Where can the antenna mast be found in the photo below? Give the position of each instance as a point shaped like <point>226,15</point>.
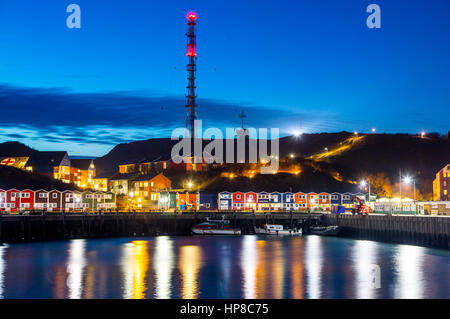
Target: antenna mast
<point>191,53</point>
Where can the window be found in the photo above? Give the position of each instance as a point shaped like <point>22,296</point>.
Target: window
<point>43,195</point>
<point>238,196</point>
<point>146,184</point>
<point>54,195</point>
<point>152,184</point>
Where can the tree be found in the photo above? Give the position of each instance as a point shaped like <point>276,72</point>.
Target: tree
<point>380,184</point>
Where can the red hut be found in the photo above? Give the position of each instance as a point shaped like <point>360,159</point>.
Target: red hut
<point>251,200</point>
<point>27,199</point>
<point>238,201</point>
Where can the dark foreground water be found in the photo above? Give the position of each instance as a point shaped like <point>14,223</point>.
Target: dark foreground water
<point>222,267</point>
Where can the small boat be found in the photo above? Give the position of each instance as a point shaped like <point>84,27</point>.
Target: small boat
<point>215,227</point>
<point>270,229</point>
<point>325,230</point>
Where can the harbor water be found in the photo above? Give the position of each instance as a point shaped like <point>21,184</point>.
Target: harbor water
<point>222,267</point>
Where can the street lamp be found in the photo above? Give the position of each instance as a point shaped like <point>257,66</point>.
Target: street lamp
<point>409,180</point>
<point>364,184</point>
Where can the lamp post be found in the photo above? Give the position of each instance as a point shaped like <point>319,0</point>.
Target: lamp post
<point>408,180</point>
<point>364,184</point>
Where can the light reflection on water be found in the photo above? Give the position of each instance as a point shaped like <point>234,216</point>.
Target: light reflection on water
<point>190,264</point>
<point>313,265</point>
<point>163,264</point>
<point>221,267</point>
<point>2,269</point>
<point>409,280</point>
<point>135,262</point>
<point>364,257</point>
<point>75,268</point>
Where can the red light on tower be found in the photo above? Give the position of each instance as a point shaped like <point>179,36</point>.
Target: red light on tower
<point>191,16</point>
<point>191,50</point>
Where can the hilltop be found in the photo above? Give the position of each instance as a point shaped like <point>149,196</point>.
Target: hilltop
<point>310,162</point>
<point>13,149</point>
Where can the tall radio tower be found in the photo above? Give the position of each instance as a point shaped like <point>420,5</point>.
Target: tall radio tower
<point>191,53</point>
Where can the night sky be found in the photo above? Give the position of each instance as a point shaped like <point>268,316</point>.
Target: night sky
<point>296,65</point>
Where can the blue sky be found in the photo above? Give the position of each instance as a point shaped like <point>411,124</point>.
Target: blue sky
<point>121,77</point>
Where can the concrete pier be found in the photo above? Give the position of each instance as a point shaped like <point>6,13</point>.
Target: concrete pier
<point>430,231</point>
<point>54,226</point>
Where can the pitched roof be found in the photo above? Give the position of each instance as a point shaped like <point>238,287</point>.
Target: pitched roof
<point>148,177</point>
<point>120,177</point>
<point>103,175</point>
<point>160,158</point>
<point>145,177</point>
<point>44,162</point>
<point>81,163</point>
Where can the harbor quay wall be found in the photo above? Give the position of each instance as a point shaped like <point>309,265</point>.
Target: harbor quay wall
<point>428,231</point>
<point>56,226</point>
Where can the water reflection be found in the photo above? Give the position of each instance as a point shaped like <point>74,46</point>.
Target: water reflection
<point>135,263</point>
<point>75,268</point>
<point>364,259</point>
<point>297,269</point>
<point>2,268</point>
<point>163,263</point>
<point>277,269</point>
<point>248,266</point>
<point>225,270</point>
<point>262,276</point>
<point>190,263</point>
<point>221,267</point>
<point>409,266</point>
<point>313,265</point>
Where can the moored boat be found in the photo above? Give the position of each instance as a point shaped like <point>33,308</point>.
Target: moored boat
<point>325,230</point>
<point>270,229</point>
<point>215,227</point>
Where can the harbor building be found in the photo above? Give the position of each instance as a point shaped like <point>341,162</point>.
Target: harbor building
<point>440,184</point>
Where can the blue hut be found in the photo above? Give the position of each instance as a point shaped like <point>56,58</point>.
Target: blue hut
<point>335,199</point>
<point>288,201</point>
<point>276,202</point>
<point>207,200</point>
<point>263,201</point>
<point>225,201</point>
<point>347,199</point>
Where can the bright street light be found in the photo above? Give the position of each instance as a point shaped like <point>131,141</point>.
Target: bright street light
<point>364,184</point>
<point>409,180</point>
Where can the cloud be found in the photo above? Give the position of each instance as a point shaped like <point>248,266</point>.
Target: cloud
<point>60,118</point>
